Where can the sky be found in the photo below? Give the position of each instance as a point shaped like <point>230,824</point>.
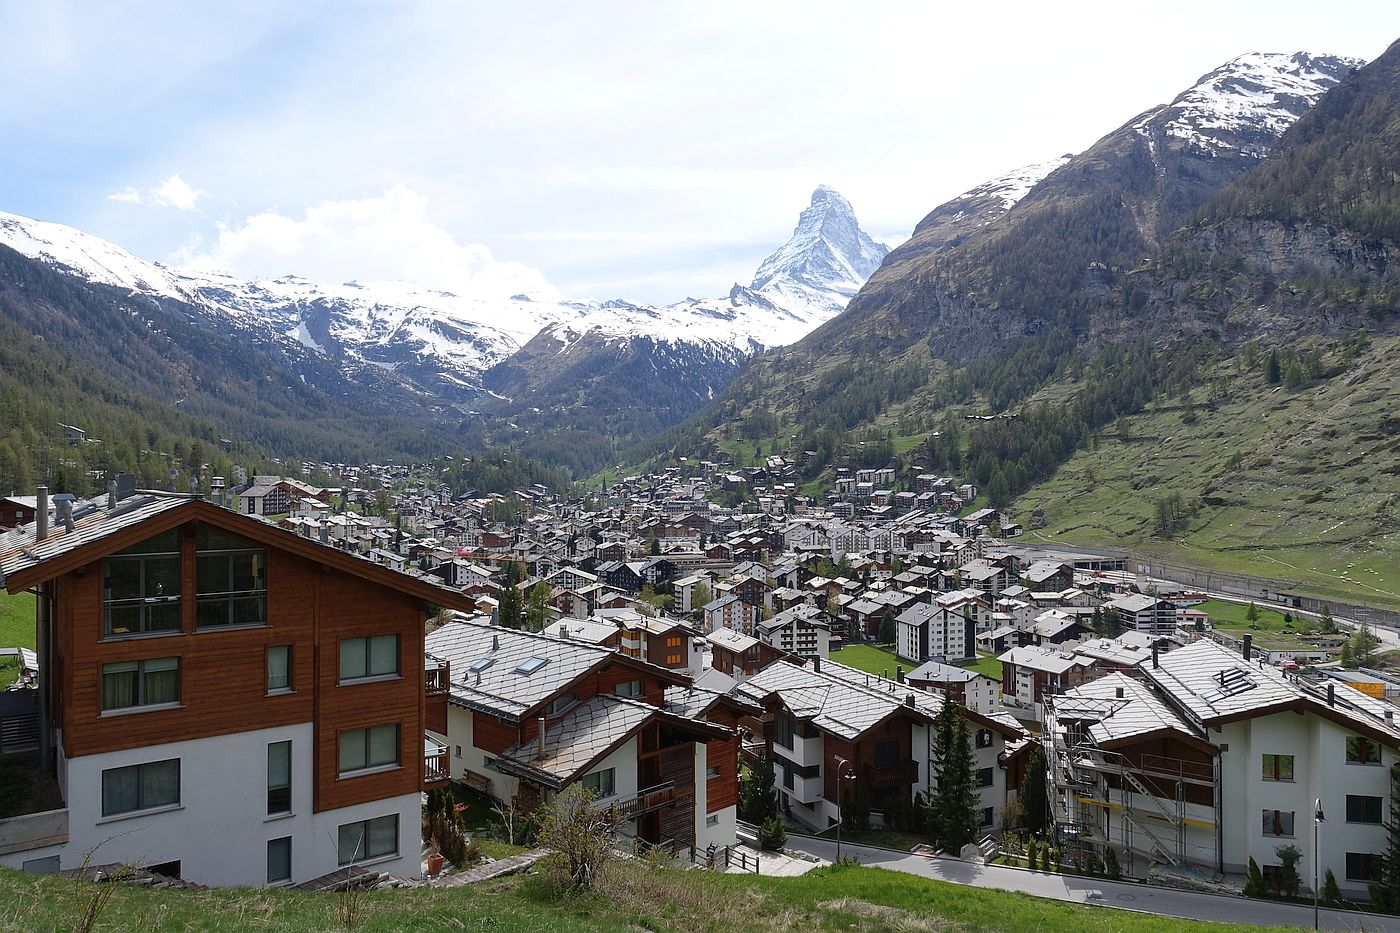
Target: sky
<point>649,151</point>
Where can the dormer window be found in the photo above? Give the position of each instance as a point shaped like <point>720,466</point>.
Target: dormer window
<point>560,704</point>
<point>141,587</point>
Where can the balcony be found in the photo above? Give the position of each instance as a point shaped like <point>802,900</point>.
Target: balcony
<point>437,769</point>
<point>437,676</point>
<point>903,774</point>
<point>31,831</point>
<point>652,798</point>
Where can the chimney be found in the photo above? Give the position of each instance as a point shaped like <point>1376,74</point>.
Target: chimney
<point>1154,655</point>
<point>817,664</point>
<point>216,488</point>
<point>41,513</point>
<point>541,737</point>
<point>1248,647</point>
<point>899,673</point>
<point>65,514</point>
<point>111,494</point>
<point>495,642</point>
<point>909,700</point>
<point>1118,692</point>
<point>1331,693</point>
<point>1390,718</point>
<point>325,531</point>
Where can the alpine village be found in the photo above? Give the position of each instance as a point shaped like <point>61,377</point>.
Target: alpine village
<point>1043,565</point>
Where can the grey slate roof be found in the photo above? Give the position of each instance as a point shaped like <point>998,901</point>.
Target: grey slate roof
<point>92,521</point>
<point>1140,711</point>
<point>835,700</point>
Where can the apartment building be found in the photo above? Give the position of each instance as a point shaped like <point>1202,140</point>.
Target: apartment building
<point>802,631</point>
<point>1213,758</point>
<point>218,699</point>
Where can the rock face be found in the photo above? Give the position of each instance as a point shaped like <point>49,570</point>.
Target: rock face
<point>828,258</point>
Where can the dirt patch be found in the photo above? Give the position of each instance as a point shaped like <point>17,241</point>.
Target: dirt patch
<point>891,918</point>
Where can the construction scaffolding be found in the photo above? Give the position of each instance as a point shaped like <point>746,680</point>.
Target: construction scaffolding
<point>1137,805</point>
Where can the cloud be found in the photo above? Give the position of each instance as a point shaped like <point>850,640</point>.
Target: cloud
<point>174,192</point>
<point>385,238</point>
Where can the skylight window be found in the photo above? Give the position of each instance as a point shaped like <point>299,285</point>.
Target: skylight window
<point>480,665</point>
<point>531,664</point>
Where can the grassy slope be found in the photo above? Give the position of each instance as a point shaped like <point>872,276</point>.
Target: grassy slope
<point>1313,499</point>
<point>638,898</point>
<point>869,658</point>
<point>16,620</point>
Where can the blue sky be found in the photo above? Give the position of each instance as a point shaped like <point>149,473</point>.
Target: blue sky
<point>641,150</point>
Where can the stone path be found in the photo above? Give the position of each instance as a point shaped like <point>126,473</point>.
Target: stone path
<point>509,865</point>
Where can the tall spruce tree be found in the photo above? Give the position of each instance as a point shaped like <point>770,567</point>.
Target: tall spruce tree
<point>1385,890</point>
<point>758,800</point>
<point>510,602</point>
<point>954,802</point>
<point>1035,804</point>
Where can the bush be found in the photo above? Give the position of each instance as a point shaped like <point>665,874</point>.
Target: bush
<point>580,833</point>
<point>1111,867</point>
<point>771,835</point>
<point>1289,881</point>
<point>1331,894</point>
<point>1254,881</point>
<point>1032,856</point>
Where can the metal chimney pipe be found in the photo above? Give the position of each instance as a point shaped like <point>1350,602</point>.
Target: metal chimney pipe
<point>1248,647</point>
<point>899,673</point>
<point>1331,694</point>
<point>1154,655</point>
<point>41,513</point>
<point>325,533</point>
<point>111,494</point>
<point>216,488</point>
<point>541,737</point>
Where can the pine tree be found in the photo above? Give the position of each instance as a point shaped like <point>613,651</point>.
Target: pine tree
<point>1035,804</point>
<point>1272,370</point>
<point>887,630</point>
<point>955,799</point>
<point>1385,890</point>
<point>758,801</point>
<point>508,609</point>
<point>1252,613</point>
<point>1254,881</point>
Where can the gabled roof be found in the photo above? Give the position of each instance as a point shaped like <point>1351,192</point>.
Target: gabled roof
<point>99,531</point>
<point>834,704</point>
<point>1137,713</point>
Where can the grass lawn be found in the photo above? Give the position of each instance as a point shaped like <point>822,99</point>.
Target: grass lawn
<point>986,665</point>
<point>16,620</point>
<point>873,659</point>
<point>632,896</point>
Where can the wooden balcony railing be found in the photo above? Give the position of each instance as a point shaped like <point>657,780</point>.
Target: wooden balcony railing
<point>437,676</point>
<point>652,798</point>
<point>901,775</point>
<point>436,767</point>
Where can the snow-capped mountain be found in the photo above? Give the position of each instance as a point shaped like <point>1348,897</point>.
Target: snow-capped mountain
<point>826,261</point>
<point>444,342</point>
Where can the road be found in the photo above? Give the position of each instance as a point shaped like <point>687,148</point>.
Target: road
<point>1188,905</point>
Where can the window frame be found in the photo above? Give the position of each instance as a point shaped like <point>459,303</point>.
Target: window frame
<point>1279,823</point>
<point>367,644</point>
<point>560,705</point>
<point>1359,749</point>
<point>1363,805</point>
<point>1369,861</point>
<point>596,780</point>
<point>366,836</point>
<point>285,879</point>
<point>1278,769</point>
<point>138,770</point>
<point>208,601</point>
<point>990,777</point>
<point>367,744</point>
<point>289,686</point>
<point>142,702</point>
<point>633,689</point>
<point>145,603</point>
<point>785,732</point>
<point>278,806</point>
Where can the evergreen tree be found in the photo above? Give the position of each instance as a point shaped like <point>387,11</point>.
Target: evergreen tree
<point>1331,893</point>
<point>1035,804</point>
<point>1254,881</point>
<point>1385,890</point>
<point>509,606</point>
<point>758,799</point>
<point>1252,614</point>
<point>537,607</point>
<point>1329,625</point>
<point>1272,370</point>
<point>955,799</point>
<point>887,628</point>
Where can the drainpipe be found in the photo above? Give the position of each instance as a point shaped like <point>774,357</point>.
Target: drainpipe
<point>43,615</point>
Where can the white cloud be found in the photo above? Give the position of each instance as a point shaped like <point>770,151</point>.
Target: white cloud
<point>174,192</point>
<point>385,238</point>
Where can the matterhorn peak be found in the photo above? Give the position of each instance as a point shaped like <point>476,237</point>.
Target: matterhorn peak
<point>828,253</point>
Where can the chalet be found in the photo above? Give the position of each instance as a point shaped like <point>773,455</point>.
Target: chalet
<point>1029,674</point>
<point>16,511</point>
<point>204,675</point>
<point>977,692</point>
<point>1046,575</point>
<point>738,655</point>
<point>529,715</point>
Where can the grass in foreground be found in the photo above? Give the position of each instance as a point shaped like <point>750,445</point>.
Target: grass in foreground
<point>634,897</point>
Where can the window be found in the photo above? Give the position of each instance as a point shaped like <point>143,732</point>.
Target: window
<point>231,579</point>
<point>785,731</point>
<point>711,773</point>
<point>601,783</point>
<point>457,751</point>
<point>1278,822</point>
<point>1363,751</point>
<point>141,587</point>
<point>279,777</point>
<point>279,860</point>
<point>983,738</point>
<point>986,817</point>
<point>886,755</point>
<point>368,839</point>
<point>712,819</point>
<point>674,641</point>
<point>560,703</point>
<point>1363,866</point>
<point>1278,767</point>
<point>672,660</point>
<point>375,747</point>
<point>631,688</point>
<point>140,787</point>
<point>279,668</point>
<point>377,656</point>
<point>985,777</point>
<point>787,775</point>
<point>1363,809</point>
<point>129,684</point>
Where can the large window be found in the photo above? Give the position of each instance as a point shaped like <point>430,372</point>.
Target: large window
<point>141,587</point>
<point>1278,822</point>
<point>279,668</point>
<point>559,704</point>
<point>1363,866</point>
<point>129,684</point>
<point>279,777</point>
<point>1278,768</point>
<point>375,747</point>
<point>368,839</point>
<point>629,688</point>
<point>986,777</point>
<point>1363,751</point>
<point>1363,809</point>
<point>886,755</point>
<point>376,656</point>
<point>232,580</point>
<point>140,787</point>
<point>602,783</point>
<point>279,860</point>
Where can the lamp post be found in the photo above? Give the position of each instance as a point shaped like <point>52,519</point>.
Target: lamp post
<point>1318,820</point>
<point>841,765</point>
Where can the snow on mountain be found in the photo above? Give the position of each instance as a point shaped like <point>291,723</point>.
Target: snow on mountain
<point>1247,103</point>
<point>87,256</point>
<point>827,259</point>
<point>1014,185</point>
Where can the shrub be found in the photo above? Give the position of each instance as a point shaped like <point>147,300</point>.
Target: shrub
<point>1331,894</point>
<point>579,832</point>
<point>1289,881</point>
<point>1032,852</point>
<point>1254,881</point>
<point>771,835</point>
<point>1111,867</point>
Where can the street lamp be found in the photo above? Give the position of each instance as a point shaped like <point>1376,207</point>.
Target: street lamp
<point>842,767</point>
<point>1318,820</point>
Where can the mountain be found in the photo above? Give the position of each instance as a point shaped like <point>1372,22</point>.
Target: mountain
<point>825,262</point>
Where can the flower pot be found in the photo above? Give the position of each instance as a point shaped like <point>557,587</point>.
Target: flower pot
<point>435,863</point>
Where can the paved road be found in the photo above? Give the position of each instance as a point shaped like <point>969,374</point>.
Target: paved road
<point>1155,900</point>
